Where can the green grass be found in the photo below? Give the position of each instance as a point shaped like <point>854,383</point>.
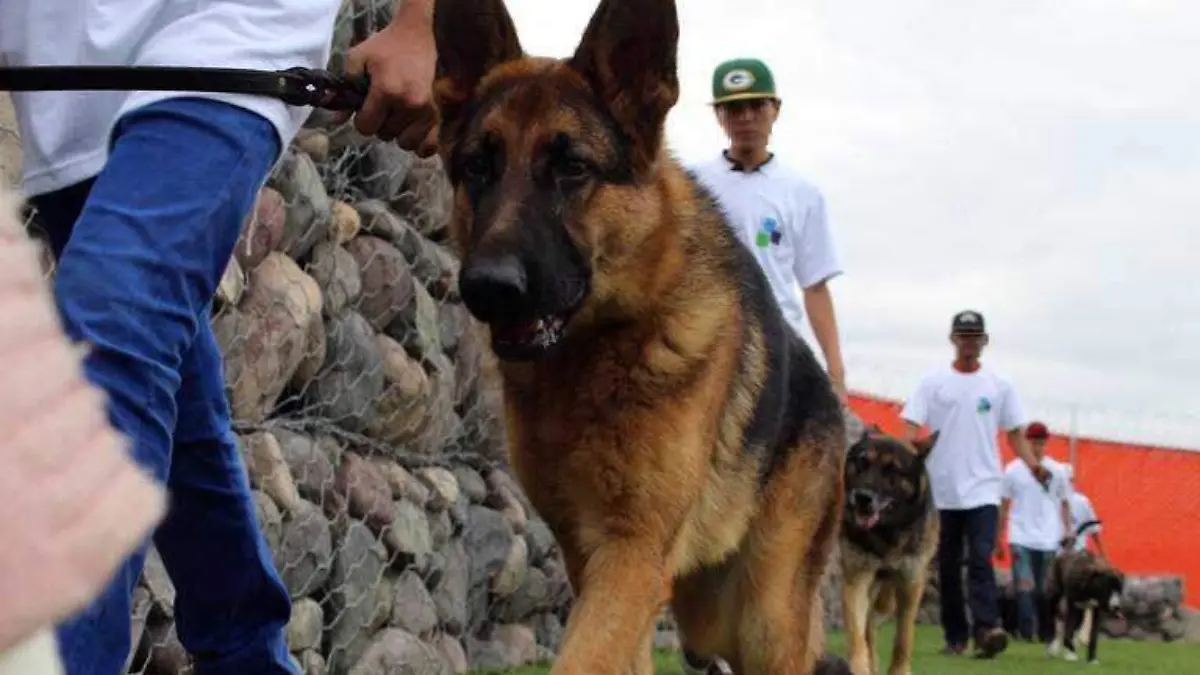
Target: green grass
<point>1116,656</point>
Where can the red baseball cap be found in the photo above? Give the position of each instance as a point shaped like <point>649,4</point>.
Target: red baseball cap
<point>1036,430</point>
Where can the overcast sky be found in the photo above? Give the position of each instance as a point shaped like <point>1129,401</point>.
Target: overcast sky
<point>1038,161</point>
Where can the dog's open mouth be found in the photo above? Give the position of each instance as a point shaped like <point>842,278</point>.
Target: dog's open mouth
<point>529,338</point>
<point>866,521</point>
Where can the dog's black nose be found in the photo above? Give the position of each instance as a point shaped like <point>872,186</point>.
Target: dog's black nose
<point>862,500</point>
<point>493,287</point>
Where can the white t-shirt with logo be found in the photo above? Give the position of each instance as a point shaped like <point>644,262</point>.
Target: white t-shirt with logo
<point>1082,512</point>
<point>781,217</point>
<point>968,410</point>
<point>1035,514</point>
<point>64,134</point>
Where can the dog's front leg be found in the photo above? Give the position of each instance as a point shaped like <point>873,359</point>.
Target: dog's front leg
<point>908,603</point>
<point>1074,618</point>
<point>621,590</point>
<point>1093,633</point>
<point>1085,630</point>
<point>856,612</point>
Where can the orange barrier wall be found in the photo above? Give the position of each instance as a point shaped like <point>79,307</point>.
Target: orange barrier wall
<point>1147,497</point>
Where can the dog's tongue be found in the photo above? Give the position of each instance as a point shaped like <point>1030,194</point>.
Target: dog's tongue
<point>867,522</point>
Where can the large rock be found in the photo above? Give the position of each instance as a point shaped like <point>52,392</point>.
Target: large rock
<point>265,338</point>
<point>401,411</point>
<point>347,388</point>
<point>397,652</point>
<point>450,595</point>
<point>263,231</point>
<point>305,554</point>
<point>358,602</point>
<point>413,608</point>
<point>309,208</point>
<point>408,538</point>
<point>338,276</point>
<point>428,198</point>
<point>387,282</point>
<point>382,170</point>
<point>366,489</point>
<point>310,465</point>
<point>305,627</point>
<point>269,471</point>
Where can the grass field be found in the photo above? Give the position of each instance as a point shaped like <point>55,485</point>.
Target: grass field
<point>1140,658</point>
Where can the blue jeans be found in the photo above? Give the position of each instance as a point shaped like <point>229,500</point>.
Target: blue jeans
<point>976,529</point>
<point>1029,576</point>
<point>141,249</point>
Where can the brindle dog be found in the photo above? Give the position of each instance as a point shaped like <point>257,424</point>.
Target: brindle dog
<point>888,538</point>
<point>1079,582</point>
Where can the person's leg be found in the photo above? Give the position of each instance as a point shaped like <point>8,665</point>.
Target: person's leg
<point>134,281</point>
<point>1022,574</point>
<point>950,584</point>
<point>982,595</point>
<point>231,606</point>
<point>1045,622</point>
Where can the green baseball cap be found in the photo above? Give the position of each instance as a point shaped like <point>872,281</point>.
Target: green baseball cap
<point>742,79</point>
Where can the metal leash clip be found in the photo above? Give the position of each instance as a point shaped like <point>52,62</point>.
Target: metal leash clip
<point>323,89</point>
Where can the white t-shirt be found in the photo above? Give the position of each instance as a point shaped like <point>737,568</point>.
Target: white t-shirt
<point>64,134</point>
<point>968,410</point>
<point>1082,512</point>
<point>781,218</point>
<point>1035,513</point>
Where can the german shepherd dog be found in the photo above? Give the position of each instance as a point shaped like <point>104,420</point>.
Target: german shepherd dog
<point>888,538</point>
<point>683,444</point>
<point>1079,583</point>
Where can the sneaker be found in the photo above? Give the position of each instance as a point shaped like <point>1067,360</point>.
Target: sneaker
<point>990,642</point>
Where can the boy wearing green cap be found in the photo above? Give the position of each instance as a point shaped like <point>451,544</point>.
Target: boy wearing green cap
<point>779,214</point>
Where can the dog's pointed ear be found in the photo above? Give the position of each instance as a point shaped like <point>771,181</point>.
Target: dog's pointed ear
<point>472,37</point>
<point>925,445</point>
<point>628,55</point>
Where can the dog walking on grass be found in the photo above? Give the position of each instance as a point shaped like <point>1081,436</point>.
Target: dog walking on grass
<point>1080,588</point>
<point>682,442</point>
<point>888,539</point>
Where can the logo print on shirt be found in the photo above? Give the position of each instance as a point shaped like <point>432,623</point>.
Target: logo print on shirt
<point>768,233</point>
<point>984,405</point>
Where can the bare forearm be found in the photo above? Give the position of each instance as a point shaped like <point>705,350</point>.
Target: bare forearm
<point>1020,448</point>
<point>818,303</point>
<point>1069,531</point>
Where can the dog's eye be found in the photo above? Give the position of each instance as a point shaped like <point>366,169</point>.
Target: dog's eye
<point>572,170</point>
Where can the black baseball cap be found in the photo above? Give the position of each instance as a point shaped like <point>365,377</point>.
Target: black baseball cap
<point>967,322</point>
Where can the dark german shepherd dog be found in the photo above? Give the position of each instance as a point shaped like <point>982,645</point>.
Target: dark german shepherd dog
<point>683,444</point>
<point>889,537</point>
<point>1079,583</point>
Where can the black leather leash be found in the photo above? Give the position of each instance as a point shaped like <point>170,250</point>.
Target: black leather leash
<point>294,86</point>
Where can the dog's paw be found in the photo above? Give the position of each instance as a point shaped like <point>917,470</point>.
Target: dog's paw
<point>1094,662</point>
<point>1069,655</point>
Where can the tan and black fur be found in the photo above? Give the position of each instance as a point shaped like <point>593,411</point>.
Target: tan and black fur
<point>683,443</point>
<point>1079,584</point>
<point>888,538</point>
